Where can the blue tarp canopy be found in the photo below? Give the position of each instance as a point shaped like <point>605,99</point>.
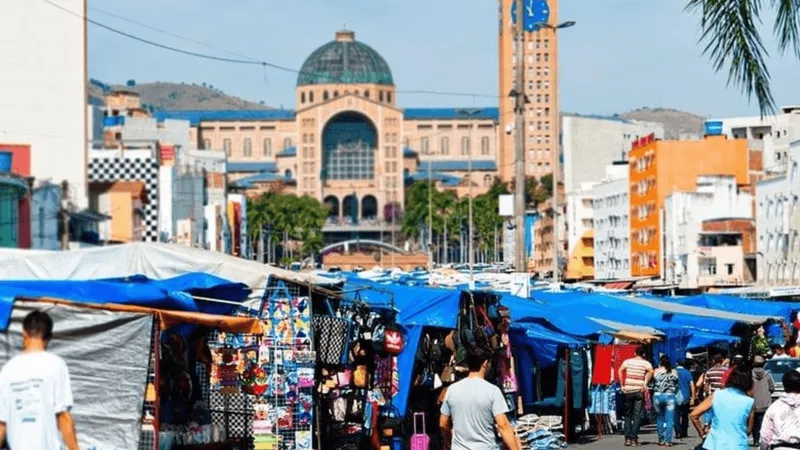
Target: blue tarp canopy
<point>172,294</point>
<point>741,305</point>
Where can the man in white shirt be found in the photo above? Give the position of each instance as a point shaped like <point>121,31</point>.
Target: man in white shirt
<point>35,393</point>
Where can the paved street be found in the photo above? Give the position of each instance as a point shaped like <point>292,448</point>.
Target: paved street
<point>647,438</point>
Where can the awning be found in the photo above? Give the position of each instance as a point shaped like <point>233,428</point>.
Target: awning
<point>702,312</point>
<point>619,285</point>
<point>169,319</point>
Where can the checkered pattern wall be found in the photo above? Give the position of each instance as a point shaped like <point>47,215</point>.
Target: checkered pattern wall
<point>104,170</point>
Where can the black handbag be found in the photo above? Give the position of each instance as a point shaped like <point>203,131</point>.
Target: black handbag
<point>332,337</point>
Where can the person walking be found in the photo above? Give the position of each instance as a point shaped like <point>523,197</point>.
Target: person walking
<point>713,377</point>
<point>732,414</point>
<point>666,386</point>
<point>685,400</point>
<point>780,430</point>
<point>635,374</point>
<point>778,352</point>
<point>473,408</point>
<point>763,387</point>
<point>35,393</point>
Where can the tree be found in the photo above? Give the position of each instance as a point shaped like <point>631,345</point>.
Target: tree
<point>729,28</point>
<point>285,217</point>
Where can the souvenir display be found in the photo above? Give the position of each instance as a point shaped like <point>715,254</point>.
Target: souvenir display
<point>224,377</point>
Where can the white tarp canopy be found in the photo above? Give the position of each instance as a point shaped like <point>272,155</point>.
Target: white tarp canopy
<point>107,355</point>
<point>155,261</point>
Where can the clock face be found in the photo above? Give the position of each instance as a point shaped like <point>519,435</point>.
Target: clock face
<point>536,12</point>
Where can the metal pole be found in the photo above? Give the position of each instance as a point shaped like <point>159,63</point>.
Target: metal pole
<point>64,215</point>
<point>519,144</point>
<point>430,216</point>
<point>471,231</point>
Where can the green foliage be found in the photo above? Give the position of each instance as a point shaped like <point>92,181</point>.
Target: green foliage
<point>730,31</point>
<point>285,215</point>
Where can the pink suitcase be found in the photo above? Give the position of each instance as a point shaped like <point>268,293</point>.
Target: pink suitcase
<point>420,441</point>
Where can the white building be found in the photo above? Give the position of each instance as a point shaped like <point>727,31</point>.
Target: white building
<point>697,258</point>
<point>773,134</point>
<point>611,207</point>
<point>43,93</point>
<point>778,225</point>
<point>590,143</point>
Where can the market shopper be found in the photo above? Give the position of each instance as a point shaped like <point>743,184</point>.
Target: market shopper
<point>685,400</point>
<point>35,393</point>
<point>666,386</point>
<point>635,374</point>
<point>778,352</point>
<point>474,410</point>
<point>763,387</point>
<point>781,427</point>
<point>713,377</point>
<point>732,414</point>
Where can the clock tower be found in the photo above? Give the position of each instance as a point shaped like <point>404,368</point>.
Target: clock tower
<point>540,85</point>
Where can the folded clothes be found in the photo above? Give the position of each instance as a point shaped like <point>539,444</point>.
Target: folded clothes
<point>539,432</point>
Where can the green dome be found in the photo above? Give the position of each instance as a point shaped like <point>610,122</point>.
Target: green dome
<point>345,61</point>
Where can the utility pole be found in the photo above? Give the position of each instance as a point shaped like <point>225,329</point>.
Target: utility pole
<point>430,217</point>
<point>64,215</point>
<point>557,162</point>
<point>518,92</point>
<point>470,113</point>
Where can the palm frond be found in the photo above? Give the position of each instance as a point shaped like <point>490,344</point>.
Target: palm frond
<point>729,28</point>
<point>787,25</point>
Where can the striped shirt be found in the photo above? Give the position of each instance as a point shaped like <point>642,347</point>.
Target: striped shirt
<point>635,371</point>
<point>714,378</point>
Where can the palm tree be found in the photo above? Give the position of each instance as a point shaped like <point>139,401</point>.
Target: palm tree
<point>730,32</point>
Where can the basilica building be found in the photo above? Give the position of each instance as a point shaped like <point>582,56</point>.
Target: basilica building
<point>349,144</point>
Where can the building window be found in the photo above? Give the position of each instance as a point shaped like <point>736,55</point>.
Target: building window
<point>267,147</point>
<point>380,96</point>
<point>302,97</point>
<point>335,94</point>
<point>465,145</point>
<point>226,146</point>
<point>207,144</point>
<point>247,147</point>
<point>487,180</point>
<point>287,142</point>
<point>325,95</point>
<point>366,94</point>
<point>423,146</point>
<point>388,97</point>
<point>484,146</point>
<point>445,146</point>
<point>311,97</point>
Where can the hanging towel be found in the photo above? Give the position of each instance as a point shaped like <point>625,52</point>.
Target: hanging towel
<point>601,373</point>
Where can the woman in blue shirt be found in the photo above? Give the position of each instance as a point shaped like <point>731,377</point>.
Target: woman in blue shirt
<point>732,414</point>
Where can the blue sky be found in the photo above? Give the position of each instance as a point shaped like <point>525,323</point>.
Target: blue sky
<point>623,54</point>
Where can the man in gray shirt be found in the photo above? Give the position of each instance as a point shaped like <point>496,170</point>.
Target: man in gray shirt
<point>474,411</point>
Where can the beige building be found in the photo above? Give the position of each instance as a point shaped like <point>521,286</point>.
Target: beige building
<point>540,68</point>
<point>348,144</point>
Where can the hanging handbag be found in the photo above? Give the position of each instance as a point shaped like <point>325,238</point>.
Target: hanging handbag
<point>420,441</point>
<point>332,337</point>
<point>393,341</point>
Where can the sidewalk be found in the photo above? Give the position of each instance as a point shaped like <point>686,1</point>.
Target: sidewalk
<point>647,438</point>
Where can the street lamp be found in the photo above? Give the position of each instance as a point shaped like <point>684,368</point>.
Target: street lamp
<point>470,113</point>
<point>557,166</point>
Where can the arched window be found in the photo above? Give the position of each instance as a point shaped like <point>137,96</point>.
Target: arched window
<point>366,94</point>
<point>484,146</point>
<point>207,144</point>
<point>288,174</point>
<point>267,147</point>
<point>310,96</point>
<point>465,145</point>
<point>247,147</point>
<point>369,207</point>
<point>226,146</point>
<point>332,202</point>
<point>380,96</point>
<point>445,145</point>
<point>487,180</point>
<point>350,207</point>
<point>324,95</point>
<point>349,143</point>
<point>335,94</point>
<point>302,97</point>
<point>287,142</point>
<point>388,97</point>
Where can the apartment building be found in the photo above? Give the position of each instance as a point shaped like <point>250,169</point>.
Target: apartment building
<point>611,208</point>
<point>659,168</point>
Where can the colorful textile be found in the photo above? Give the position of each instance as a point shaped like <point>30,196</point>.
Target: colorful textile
<point>603,400</point>
<point>602,373</point>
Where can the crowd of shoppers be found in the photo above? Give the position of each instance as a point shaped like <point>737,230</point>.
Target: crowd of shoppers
<point>727,403</point>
